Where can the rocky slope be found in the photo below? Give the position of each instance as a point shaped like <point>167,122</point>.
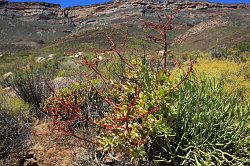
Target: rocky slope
<point>31,24</point>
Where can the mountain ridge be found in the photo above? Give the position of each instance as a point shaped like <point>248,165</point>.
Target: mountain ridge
<point>36,23</point>
<point>35,11</point>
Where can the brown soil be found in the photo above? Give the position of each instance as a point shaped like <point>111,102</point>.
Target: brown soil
<point>49,149</point>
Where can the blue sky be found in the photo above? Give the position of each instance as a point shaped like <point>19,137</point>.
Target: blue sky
<point>66,3</point>
<point>230,1</point>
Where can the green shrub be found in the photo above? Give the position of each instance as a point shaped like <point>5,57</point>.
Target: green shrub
<point>220,53</point>
<point>235,53</point>
<point>75,108</point>
<point>211,126</point>
<point>196,124</point>
<point>14,127</point>
<point>32,85</point>
<point>137,116</point>
<point>242,47</point>
<point>14,105</point>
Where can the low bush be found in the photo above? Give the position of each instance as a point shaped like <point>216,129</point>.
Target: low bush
<point>14,128</point>
<point>148,114</point>
<point>14,133</point>
<point>242,47</point>
<point>235,53</point>
<point>220,53</point>
<point>156,120</point>
<point>14,105</point>
<point>136,113</point>
<point>75,108</point>
<point>210,126</point>
<point>194,124</point>
<point>32,85</point>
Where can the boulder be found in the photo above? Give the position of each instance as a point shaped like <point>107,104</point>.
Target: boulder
<point>30,162</point>
<point>79,54</point>
<point>62,82</point>
<point>7,75</point>
<point>100,58</point>
<point>161,52</point>
<point>51,56</point>
<point>40,59</point>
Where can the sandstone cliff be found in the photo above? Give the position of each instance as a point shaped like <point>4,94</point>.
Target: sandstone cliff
<point>81,15</point>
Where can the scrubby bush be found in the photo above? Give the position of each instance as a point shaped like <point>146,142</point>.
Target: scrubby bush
<point>220,53</point>
<point>14,104</point>
<point>137,114</point>
<point>196,123</point>
<point>14,133</point>
<point>153,117</point>
<point>75,108</point>
<point>14,128</point>
<point>32,85</point>
<point>235,53</point>
<point>210,126</point>
<point>242,47</point>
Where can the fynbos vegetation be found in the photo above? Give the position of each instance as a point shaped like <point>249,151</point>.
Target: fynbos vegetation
<point>153,117</point>
<point>155,106</point>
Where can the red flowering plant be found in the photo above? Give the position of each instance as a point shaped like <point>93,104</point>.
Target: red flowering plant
<point>137,102</point>
<point>145,113</point>
<point>141,112</point>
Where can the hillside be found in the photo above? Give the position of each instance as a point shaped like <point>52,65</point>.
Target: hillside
<point>37,25</point>
<point>125,83</point>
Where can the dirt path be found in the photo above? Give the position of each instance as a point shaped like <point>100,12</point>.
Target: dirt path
<point>48,150</point>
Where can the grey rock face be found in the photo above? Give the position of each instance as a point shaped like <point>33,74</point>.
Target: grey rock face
<point>37,11</point>
<point>27,25</point>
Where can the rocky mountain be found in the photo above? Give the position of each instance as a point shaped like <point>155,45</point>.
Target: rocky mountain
<point>80,15</point>
<point>27,25</point>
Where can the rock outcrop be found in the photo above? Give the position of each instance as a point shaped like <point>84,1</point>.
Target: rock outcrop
<point>27,25</point>
<point>83,15</point>
<point>33,11</point>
